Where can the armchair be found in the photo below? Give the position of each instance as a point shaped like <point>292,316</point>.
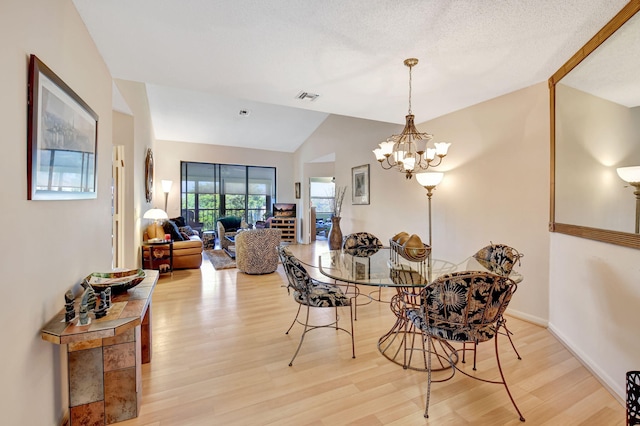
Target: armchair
<point>227,227</point>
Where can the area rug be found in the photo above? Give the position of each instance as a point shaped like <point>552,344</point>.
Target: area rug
<point>220,260</point>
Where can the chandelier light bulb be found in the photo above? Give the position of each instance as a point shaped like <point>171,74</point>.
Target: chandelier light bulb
<point>442,148</point>
<point>379,155</point>
<point>387,147</point>
<point>409,162</point>
<point>430,154</point>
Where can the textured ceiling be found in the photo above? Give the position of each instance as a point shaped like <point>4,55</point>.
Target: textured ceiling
<point>205,60</point>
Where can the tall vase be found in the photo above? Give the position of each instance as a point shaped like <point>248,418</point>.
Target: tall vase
<point>335,234</point>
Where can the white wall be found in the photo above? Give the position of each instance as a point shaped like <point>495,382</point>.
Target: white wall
<point>136,144</point>
<point>169,154</point>
<point>352,140</point>
<point>47,246</point>
<point>123,134</point>
<point>594,300</point>
<point>495,188</point>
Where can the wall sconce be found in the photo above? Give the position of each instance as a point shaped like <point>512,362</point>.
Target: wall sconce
<point>166,187</point>
<point>631,175</point>
<point>429,180</point>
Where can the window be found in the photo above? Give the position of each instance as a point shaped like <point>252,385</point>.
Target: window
<point>322,191</point>
<point>211,191</point>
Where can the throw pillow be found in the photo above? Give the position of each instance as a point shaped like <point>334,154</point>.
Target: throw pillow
<point>171,228</point>
<point>185,236</point>
<point>230,223</point>
<point>178,221</point>
<point>187,230</point>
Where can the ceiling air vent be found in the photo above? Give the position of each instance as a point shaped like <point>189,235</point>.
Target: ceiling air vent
<point>307,96</point>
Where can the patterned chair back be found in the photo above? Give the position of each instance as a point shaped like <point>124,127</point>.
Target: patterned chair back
<point>360,240</point>
<point>284,254</point>
<point>498,258</point>
<point>466,306</point>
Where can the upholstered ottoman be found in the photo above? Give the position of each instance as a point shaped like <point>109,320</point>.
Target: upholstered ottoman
<point>256,250</point>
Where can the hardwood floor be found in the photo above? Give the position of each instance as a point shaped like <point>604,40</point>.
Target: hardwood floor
<point>221,355</point>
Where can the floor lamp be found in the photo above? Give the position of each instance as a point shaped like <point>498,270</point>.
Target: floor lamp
<point>166,187</point>
<point>631,175</point>
<point>429,180</point>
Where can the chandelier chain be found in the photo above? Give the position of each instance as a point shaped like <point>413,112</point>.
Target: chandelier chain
<point>410,69</point>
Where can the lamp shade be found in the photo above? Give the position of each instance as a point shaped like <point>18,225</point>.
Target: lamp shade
<point>629,174</point>
<point>155,214</point>
<point>166,185</point>
<point>429,179</point>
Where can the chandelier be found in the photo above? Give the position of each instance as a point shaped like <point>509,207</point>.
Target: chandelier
<point>408,152</point>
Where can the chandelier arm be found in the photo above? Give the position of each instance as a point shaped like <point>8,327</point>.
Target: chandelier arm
<point>389,166</point>
<point>438,163</point>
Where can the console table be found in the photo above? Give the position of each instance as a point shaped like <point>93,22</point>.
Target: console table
<point>105,357</point>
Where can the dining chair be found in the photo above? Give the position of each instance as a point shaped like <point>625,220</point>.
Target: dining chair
<point>312,293</point>
<point>500,259</point>
<point>362,244</point>
<point>464,306</point>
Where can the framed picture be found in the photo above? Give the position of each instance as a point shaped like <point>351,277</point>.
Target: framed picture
<point>360,184</point>
<point>297,188</point>
<point>62,139</point>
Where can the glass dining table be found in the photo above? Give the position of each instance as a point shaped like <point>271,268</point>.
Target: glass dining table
<point>383,268</point>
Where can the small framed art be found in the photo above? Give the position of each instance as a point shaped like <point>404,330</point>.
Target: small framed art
<point>360,184</point>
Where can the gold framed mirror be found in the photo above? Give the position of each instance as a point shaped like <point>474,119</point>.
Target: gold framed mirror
<point>595,129</point>
<point>148,175</point>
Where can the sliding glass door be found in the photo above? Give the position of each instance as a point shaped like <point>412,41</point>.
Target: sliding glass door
<point>210,191</point>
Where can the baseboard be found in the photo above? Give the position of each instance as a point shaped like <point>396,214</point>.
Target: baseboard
<point>528,318</point>
<point>607,382</point>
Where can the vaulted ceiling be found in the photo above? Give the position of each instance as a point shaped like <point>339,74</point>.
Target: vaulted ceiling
<point>231,72</point>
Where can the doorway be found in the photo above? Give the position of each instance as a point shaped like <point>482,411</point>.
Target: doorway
<point>117,207</point>
<point>322,197</point>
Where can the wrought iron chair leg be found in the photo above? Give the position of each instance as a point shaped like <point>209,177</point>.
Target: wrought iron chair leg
<point>306,327</point>
<point>509,333</point>
<point>353,340</point>
<point>294,320</point>
<point>426,408</point>
<point>504,382</point>
<point>475,354</point>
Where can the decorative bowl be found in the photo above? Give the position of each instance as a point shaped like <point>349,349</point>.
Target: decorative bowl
<point>118,281</point>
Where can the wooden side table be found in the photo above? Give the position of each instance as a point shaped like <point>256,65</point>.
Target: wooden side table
<point>105,357</point>
<point>154,254</point>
